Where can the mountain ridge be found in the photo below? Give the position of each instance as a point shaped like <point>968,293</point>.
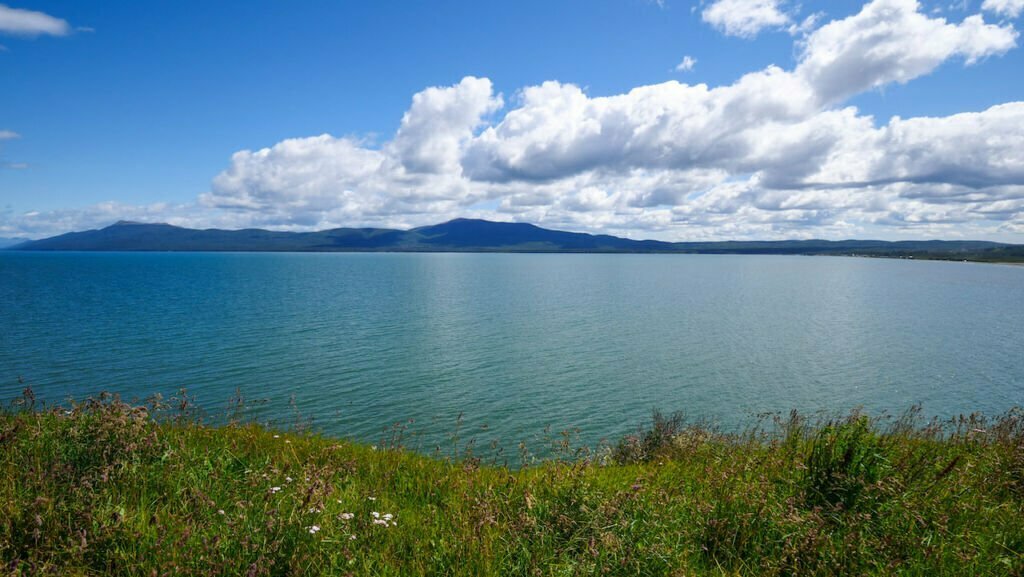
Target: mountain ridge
<point>474,235</point>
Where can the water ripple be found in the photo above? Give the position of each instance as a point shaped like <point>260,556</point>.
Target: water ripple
<point>514,342</point>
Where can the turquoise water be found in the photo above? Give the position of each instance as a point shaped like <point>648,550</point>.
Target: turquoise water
<point>514,342</point>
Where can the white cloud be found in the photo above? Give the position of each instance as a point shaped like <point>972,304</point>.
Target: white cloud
<point>745,18</point>
<point>325,181</point>
<point>773,154</point>
<point>30,22</point>
<point>8,135</point>
<point>1008,8</point>
<point>892,41</point>
<point>979,152</point>
<point>686,64</point>
<point>439,122</point>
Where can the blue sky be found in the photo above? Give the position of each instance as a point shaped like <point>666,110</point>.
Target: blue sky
<point>145,110</point>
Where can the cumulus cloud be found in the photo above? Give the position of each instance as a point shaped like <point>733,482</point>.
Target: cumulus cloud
<point>969,151</point>
<point>439,121</point>
<point>30,23</point>
<point>745,18</point>
<point>325,180</point>
<point>774,154</point>
<point>1008,8</point>
<point>767,151</point>
<point>892,41</point>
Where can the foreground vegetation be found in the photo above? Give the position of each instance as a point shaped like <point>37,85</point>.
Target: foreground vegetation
<point>106,488</point>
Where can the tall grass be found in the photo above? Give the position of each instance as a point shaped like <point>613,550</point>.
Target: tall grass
<point>103,487</point>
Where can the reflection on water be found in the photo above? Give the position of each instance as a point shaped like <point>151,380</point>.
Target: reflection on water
<point>514,341</point>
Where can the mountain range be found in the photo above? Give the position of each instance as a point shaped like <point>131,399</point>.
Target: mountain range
<point>469,235</point>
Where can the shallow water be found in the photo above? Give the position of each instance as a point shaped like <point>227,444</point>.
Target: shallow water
<point>516,342</point>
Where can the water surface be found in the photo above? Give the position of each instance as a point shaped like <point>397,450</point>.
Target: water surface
<point>516,342</point>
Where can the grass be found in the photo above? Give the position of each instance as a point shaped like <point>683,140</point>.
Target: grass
<point>105,488</point>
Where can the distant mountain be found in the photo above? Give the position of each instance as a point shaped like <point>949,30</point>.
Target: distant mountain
<point>456,235</point>
<point>484,235</point>
<point>467,235</point>
<point>8,242</point>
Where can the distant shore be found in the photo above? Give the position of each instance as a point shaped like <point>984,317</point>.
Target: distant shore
<point>473,235</point>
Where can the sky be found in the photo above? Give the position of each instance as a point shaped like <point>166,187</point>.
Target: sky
<point>672,120</point>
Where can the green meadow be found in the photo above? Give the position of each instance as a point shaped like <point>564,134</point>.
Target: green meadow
<point>107,488</point>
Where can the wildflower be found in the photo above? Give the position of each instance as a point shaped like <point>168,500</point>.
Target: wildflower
<point>287,441</point>
<point>315,510</point>
<point>372,498</point>
<point>351,537</point>
<point>277,436</point>
<point>385,519</point>
<point>313,529</point>
<point>288,479</point>
<point>275,489</point>
<point>220,511</point>
<point>347,516</point>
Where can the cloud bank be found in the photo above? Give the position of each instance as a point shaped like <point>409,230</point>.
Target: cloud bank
<point>776,154</point>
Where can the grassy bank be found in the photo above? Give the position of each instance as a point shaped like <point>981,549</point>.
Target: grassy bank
<point>104,488</point>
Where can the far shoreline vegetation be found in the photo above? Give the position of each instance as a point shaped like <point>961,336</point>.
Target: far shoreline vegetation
<point>469,235</point>
<point>106,487</point>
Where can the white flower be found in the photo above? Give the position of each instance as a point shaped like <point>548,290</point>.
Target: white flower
<point>287,441</point>
<point>351,537</point>
<point>220,511</point>
<point>385,519</point>
<point>277,436</point>
<point>372,498</point>
<point>288,479</point>
<point>275,489</point>
<point>347,516</point>
<point>313,529</point>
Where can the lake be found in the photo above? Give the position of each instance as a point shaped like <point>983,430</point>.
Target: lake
<point>514,342</point>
